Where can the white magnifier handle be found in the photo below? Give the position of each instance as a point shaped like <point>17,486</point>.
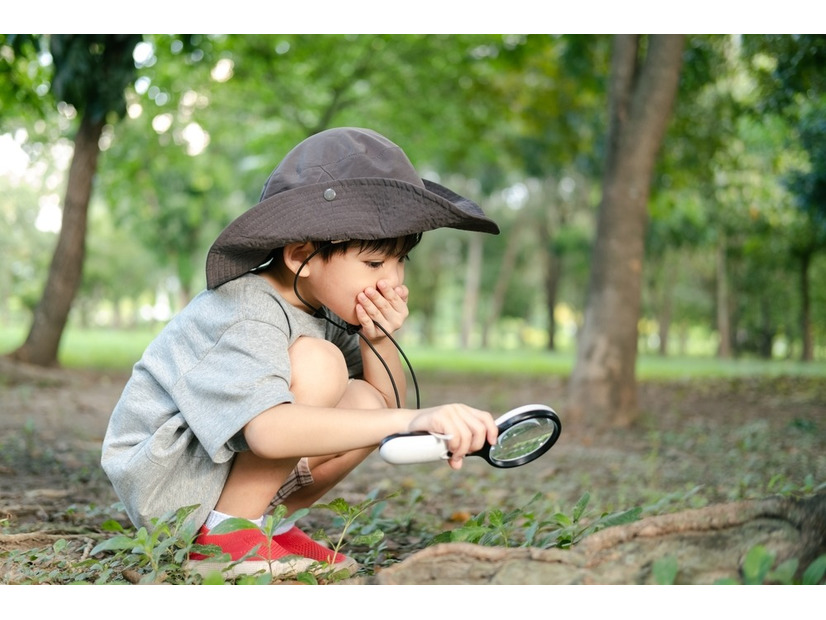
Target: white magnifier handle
<point>414,448</point>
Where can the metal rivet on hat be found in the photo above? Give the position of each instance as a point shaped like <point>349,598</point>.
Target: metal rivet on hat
<point>329,194</point>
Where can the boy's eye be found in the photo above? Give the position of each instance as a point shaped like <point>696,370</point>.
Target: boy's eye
<point>375,264</point>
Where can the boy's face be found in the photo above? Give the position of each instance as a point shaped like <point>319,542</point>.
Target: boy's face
<point>338,282</point>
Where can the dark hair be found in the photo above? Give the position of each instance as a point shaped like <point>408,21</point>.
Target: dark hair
<point>397,246</point>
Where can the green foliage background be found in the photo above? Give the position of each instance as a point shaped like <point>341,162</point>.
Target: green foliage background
<point>514,121</point>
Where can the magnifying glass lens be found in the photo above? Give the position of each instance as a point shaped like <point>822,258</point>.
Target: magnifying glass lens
<point>522,439</point>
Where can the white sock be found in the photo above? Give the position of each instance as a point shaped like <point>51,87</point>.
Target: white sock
<point>216,517</point>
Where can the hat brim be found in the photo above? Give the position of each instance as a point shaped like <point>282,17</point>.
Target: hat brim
<point>363,209</point>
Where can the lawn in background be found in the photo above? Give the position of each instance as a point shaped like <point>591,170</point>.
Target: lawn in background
<point>118,350</point>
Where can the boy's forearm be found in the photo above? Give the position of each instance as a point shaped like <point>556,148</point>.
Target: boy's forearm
<point>376,374</point>
<point>291,430</point>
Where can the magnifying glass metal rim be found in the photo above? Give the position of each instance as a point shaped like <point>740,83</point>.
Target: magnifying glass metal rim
<point>511,419</point>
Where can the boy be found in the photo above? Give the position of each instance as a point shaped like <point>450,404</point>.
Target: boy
<point>281,377</point>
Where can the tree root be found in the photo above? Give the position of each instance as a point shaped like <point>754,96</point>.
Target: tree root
<point>707,544</point>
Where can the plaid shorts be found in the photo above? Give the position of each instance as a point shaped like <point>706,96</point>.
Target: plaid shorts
<point>301,476</point>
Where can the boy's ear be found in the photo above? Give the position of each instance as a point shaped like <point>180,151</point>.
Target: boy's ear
<point>295,254</point>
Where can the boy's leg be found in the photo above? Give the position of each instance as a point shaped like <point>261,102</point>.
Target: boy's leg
<point>254,481</point>
<point>319,378</point>
<point>328,471</point>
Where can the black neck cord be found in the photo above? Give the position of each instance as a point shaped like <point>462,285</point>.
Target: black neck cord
<point>356,329</point>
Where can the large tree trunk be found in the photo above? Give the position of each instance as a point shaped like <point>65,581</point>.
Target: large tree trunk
<point>603,383</point>
<point>65,272</point>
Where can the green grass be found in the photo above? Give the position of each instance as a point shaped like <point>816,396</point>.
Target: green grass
<point>99,349</point>
<point>111,349</point>
<point>532,362</point>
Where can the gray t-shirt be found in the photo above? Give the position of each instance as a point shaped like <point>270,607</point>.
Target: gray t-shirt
<point>219,363</point>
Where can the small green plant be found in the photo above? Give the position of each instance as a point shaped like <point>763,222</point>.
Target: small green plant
<point>156,554</point>
<point>759,568</point>
<point>522,527</point>
<point>346,515</point>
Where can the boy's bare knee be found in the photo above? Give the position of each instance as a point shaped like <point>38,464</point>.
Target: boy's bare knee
<point>319,372</point>
<point>362,395</point>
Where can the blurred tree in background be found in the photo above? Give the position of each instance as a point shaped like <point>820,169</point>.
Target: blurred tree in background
<point>90,75</point>
<point>645,72</point>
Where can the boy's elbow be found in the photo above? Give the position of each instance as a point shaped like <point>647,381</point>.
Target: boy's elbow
<point>258,433</point>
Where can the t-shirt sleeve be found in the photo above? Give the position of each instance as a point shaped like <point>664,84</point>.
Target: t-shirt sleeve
<point>246,372</point>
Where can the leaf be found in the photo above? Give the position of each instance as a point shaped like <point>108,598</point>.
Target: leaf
<point>111,525</point>
<point>338,575</point>
<point>813,575</point>
<point>233,524</point>
<point>579,509</point>
<point>757,564</point>
<point>368,540</point>
<point>665,570</point>
<point>307,578</point>
<point>60,545</point>
<point>442,537</point>
<point>116,543</point>
<point>338,506</point>
<point>468,534</point>
<point>621,518</point>
<point>784,574</point>
<point>214,579</point>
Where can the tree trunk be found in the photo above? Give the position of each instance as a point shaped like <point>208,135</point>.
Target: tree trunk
<point>603,383</point>
<point>664,326</point>
<point>500,289</point>
<point>552,267</point>
<point>723,317</point>
<point>52,312</point>
<point>806,335</point>
<point>666,306</point>
<point>473,279</point>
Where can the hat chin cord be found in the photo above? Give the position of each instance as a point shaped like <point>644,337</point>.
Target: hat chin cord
<point>356,329</point>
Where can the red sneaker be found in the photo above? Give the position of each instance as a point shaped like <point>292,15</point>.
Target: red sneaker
<point>297,542</point>
<point>264,555</point>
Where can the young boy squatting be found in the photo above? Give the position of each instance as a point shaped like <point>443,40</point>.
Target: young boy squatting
<point>257,393</point>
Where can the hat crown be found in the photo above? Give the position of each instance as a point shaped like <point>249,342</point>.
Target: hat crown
<point>337,154</point>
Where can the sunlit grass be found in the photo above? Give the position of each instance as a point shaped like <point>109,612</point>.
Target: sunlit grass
<point>113,349</point>
<point>534,362</point>
<point>99,349</point>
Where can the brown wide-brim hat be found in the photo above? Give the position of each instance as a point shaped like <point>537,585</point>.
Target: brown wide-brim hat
<point>337,185</point>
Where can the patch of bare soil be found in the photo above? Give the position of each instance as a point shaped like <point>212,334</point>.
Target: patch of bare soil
<point>697,443</point>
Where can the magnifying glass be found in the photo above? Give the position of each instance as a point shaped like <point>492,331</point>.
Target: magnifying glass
<point>525,434</point>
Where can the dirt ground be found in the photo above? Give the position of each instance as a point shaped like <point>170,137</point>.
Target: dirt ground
<point>698,442</point>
